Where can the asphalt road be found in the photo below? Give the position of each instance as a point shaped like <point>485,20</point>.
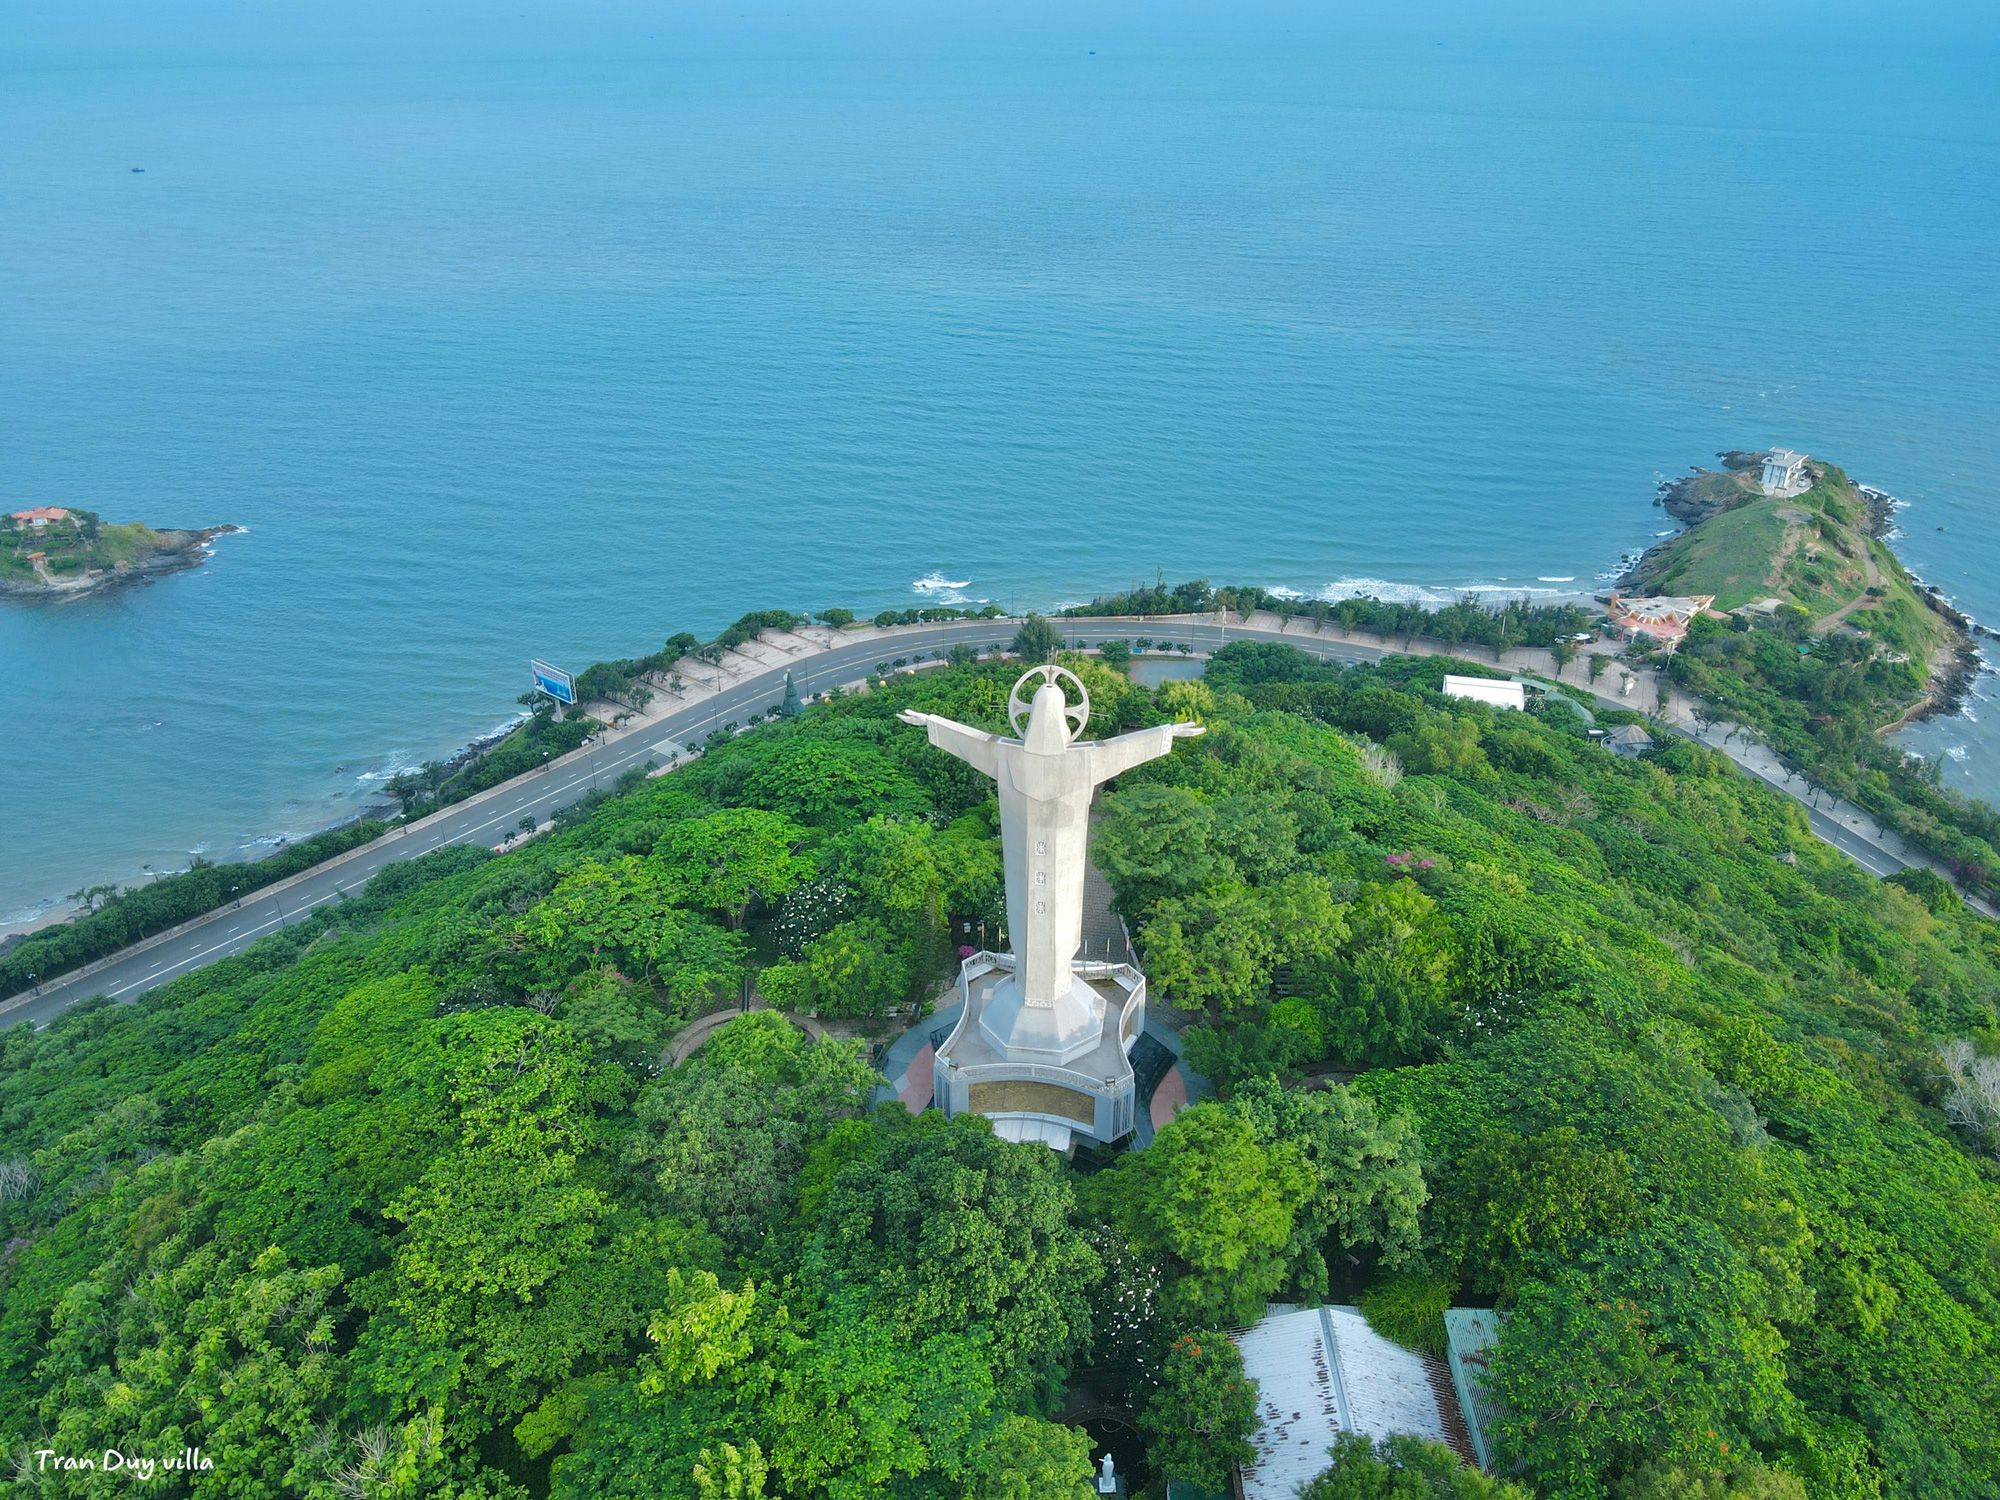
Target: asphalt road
<point>539,794</point>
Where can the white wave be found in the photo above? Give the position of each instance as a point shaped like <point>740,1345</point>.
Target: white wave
<point>1666,533</point>
<point>26,916</point>
<point>1431,596</point>
<point>935,582</point>
<point>1559,578</point>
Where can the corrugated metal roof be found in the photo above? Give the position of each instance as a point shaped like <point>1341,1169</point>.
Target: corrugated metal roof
<point>1323,1371</point>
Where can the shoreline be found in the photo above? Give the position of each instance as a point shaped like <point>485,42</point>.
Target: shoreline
<point>376,804</point>
<point>1951,699</point>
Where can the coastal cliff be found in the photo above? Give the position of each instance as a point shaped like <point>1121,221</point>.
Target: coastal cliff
<point>52,552</point>
<point>1818,559</point>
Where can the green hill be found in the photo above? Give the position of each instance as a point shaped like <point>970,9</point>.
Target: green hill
<point>401,1202</point>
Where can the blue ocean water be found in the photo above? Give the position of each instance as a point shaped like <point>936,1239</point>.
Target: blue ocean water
<point>556,351</point>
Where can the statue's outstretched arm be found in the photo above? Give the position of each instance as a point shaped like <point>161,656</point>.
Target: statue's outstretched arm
<point>975,747</point>
<point>1109,757</point>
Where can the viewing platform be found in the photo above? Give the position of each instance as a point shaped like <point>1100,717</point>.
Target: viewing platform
<point>1087,1089</point>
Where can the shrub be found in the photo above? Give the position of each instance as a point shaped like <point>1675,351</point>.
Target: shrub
<point>1409,1309</point>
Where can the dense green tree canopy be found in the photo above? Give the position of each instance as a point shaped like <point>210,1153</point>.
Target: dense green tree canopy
<point>410,1199</point>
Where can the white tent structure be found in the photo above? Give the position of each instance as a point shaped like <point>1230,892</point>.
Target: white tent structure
<point>1487,690</point>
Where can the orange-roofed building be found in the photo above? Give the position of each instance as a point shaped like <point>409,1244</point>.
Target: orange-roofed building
<point>1664,619</point>
<point>40,516</point>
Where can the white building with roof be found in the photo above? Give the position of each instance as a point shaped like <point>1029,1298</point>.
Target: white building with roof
<point>1321,1371</point>
<point>1784,473</point>
<point>1494,690</point>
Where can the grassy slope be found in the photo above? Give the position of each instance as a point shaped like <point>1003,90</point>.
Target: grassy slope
<point>70,552</point>
<point>1729,555</point>
<point>1810,550</point>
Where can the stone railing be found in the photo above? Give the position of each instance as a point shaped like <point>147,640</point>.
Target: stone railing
<point>1068,1078</point>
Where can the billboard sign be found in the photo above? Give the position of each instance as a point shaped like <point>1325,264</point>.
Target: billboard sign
<point>557,683</point>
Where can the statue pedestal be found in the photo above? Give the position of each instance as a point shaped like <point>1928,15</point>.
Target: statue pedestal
<point>1038,1073</point>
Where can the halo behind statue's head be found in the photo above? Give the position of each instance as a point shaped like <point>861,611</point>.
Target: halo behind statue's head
<point>1020,709</point>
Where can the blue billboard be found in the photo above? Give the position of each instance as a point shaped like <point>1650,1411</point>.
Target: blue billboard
<point>557,683</point>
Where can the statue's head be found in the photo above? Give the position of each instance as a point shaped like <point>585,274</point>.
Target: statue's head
<point>1048,713</point>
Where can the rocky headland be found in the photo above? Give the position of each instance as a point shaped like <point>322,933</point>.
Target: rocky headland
<point>56,553</point>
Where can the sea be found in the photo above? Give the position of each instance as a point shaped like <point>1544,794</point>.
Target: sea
<point>549,331</point>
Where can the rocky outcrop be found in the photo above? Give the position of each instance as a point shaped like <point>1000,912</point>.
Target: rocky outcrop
<point>1695,497</point>
<point>175,550</point>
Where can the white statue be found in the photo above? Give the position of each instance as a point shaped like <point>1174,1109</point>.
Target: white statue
<point>1045,779</point>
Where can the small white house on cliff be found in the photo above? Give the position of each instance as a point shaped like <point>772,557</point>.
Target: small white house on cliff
<point>1784,472</point>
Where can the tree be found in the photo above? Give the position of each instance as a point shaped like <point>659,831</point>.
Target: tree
<point>623,913</point>
<point>1036,640</point>
<point>406,789</point>
<point>1747,1479</point>
<point>730,1473</point>
<point>858,969</point>
<point>731,860</point>
<point>1441,745</point>
<point>238,1356</point>
<point>1199,1420</point>
<point>1028,1458</point>
<point>952,1230</point>
<point>1257,835</point>
<point>789,708</point>
<point>1368,1181</point>
<point>620,1022</point>
<point>825,783</point>
<point>1562,653</point>
<point>1392,1000</point>
<point>1403,1466</point>
<point>720,1138</point>
<point>1656,1348</point>
<point>1598,662</point>
<point>1116,655</point>
<point>892,866</point>
<point>1212,949</point>
<point>508,1269</point>
<point>1220,1206</point>
<point>860,1405</point>
<point>1152,842</point>
<point>1512,1203</point>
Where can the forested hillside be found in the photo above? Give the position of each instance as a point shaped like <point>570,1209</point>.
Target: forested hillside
<point>402,1202</point>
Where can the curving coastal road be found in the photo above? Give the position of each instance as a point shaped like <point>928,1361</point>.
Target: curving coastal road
<point>489,817</point>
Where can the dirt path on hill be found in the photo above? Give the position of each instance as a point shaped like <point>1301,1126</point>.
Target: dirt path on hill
<point>1874,575</point>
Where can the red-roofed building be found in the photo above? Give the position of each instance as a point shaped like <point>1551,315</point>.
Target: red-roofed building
<point>1664,619</point>
<point>41,516</point>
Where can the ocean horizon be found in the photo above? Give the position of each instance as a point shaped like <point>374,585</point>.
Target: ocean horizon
<point>553,355</point>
